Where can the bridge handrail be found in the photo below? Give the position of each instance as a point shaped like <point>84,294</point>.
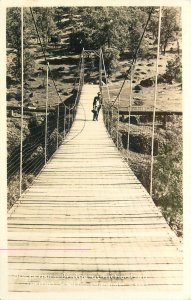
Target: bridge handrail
<point>40,143</point>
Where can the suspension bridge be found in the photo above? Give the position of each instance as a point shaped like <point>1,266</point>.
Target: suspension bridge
<point>87,220</point>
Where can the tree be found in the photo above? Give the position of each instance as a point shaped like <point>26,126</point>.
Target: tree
<point>46,26</point>
<point>45,22</point>
<point>102,27</point>
<point>13,35</point>
<point>111,56</point>
<point>153,26</point>
<point>13,38</point>
<point>169,26</point>
<point>61,12</point>
<point>110,27</point>
<point>136,21</point>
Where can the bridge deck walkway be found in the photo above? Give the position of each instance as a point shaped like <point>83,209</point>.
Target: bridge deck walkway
<point>87,220</point>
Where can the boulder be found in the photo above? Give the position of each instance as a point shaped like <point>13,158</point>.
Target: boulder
<point>60,69</point>
<point>147,82</point>
<point>40,87</point>
<point>137,87</point>
<point>13,96</point>
<point>26,85</point>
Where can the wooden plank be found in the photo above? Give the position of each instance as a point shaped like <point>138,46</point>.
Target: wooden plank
<point>139,260</point>
<point>124,278</point>
<point>175,269</point>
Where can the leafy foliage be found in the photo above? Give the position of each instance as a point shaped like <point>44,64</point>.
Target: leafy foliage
<point>136,21</point>
<point>100,27</point>
<point>174,70</point>
<point>169,26</point>
<point>14,41</point>
<point>111,56</point>
<point>45,22</point>
<point>14,186</point>
<point>60,13</point>
<point>168,175</point>
<point>114,29</point>
<point>80,40</point>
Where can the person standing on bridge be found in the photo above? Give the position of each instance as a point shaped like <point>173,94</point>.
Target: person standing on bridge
<point>97,106</point>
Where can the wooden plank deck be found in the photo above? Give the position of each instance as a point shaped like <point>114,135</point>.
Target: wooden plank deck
<point>88,221</point>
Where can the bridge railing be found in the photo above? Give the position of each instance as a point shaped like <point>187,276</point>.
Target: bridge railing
<point>43,131</point>
<point>142,126</point>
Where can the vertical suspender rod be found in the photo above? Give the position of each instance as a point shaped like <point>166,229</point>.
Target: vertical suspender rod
<point>46,117</point>
<point>154,107</point>
<point>22,97</point>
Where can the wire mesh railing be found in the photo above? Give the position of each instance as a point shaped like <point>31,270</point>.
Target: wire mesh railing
<point>42,133</point>
<point>130,123</point>
<point>141,122</point>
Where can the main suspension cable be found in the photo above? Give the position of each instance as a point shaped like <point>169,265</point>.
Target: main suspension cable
<point>134,56</point>
<point>45,57</point>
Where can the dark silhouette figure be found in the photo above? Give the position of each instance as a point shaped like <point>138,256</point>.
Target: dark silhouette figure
<point>96,106</point>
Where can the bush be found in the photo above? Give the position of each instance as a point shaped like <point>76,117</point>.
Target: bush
<point>174,70</point>
<point>14,185</point>
<point>111,56</point>
<point>79,40</point>
<point>167,179</point>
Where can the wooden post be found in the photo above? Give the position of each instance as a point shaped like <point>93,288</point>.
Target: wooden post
<point>108,118</point>
<point>105,112</point>
<point>83,66</point>
<point>118,122</point>
<point>64,121</point>
<point>100,71</point>
<point>154,106</point>
<point>72,116</point>
<point>69,117</point>
<point>109,100</point>
<point>58,115</point>
<point>105,77</point>
<point>22,101</point>
<point>130,104</point>
<point>46,116</point>
<point>111,121</point>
